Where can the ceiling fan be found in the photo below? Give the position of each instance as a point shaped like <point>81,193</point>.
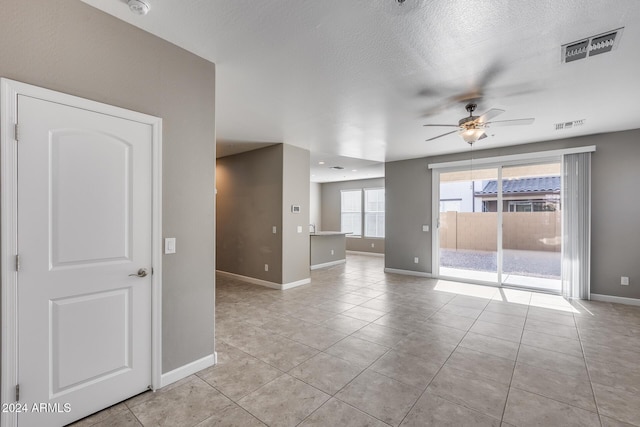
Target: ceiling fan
<point>472,128</point>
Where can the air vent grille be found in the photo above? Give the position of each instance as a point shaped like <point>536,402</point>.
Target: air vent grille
<point>339,168</point>
<point>569,125</point>
<point>594,45</point>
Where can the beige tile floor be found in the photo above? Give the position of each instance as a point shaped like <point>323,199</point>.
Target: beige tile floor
<point>358,347</point>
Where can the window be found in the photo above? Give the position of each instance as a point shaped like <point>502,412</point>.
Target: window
<point>533,206</point>
<point>353,216</point>
<point>374,212</point>
<point>351,212</point>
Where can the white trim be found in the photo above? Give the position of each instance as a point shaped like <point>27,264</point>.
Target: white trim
<point>9,91</point>
<point>365,253</point>
<point>327,264</point>
<point>8,250</point>
<point>156,256</point>
<point>272,285</point>
<point>435,223</point>
<point>527,157</point>
<point>615,299</point>
<point>295,284</point>
<point>407,272</point>
<point>188,369</point>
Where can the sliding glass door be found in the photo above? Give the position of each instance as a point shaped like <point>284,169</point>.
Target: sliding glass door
<point>468,239</point>
<point>531,226</point>
<point>500,225</point>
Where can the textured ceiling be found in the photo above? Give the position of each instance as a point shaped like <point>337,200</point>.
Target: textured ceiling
<point>357,79</point>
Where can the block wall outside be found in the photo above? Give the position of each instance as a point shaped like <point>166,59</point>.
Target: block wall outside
<point>534,231</point>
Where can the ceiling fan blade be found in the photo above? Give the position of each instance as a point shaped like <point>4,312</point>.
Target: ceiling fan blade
<point>440,136</point>
<point>494,112</point>
<point>483,136</point>
<point>515,122</point>
<point>447,126</point>
<point>490,74</point>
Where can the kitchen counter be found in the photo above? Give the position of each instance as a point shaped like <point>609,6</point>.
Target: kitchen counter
<point>327,248</point>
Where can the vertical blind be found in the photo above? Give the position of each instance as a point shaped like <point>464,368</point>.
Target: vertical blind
<point>576,226</point>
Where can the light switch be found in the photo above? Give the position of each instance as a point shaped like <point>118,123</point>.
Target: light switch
<point>274,230</point>
<point>299,229</point>
<point>170,245</point>
<point>425,228</point>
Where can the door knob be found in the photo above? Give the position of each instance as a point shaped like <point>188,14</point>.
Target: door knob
<point>141,273</point>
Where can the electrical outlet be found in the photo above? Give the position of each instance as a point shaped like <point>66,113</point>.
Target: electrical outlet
<point>299,229</point>
<point>274,229</point>
<point>332,251</point>
<point>266,267</point>
<point>624,281</point>
<point>415,260</point>
<point>425,228</point>
<point>373,245</point>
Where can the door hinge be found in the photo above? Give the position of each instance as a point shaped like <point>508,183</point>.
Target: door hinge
<point>16,132</point>
<point>17,262</point>
<point>17,392</point>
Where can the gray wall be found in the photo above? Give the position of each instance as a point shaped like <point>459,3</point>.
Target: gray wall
<point>71,47</point>
<point>249,204</point>
<point>330,209</point>
<point>408,207</point>
<point>615,226</point>
<point>295,191</point>
<point>322,245</point>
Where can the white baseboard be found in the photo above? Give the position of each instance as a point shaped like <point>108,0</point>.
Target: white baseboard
<point>188,369</point>
<point>407,272</point>
<point>619,300</point>
<point>365,253</point>
<point>272,285</point>
<point>290,285</point>
<point>328,264</point>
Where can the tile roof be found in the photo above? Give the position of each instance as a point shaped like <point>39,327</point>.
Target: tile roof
<point>542,184</point>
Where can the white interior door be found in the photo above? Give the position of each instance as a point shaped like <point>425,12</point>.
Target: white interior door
<point>84,232</point>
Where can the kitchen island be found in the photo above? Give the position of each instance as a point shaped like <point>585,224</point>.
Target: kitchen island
<point>327,248</point>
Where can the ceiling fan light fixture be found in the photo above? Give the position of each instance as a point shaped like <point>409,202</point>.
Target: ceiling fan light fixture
<point>471,135</point>
<point>138,7</point>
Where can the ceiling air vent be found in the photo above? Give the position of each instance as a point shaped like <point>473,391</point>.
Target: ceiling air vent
<point>569,125</point>
<point>591,46</point>
<point>338,168</point>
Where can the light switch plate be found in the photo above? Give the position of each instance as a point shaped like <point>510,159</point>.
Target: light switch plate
<point>299,229</point>
<point>170,245</point>
<point>425,228</point>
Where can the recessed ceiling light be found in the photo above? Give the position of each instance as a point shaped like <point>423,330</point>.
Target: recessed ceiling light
<point>321,163</point>
<point>138,7</point>
<point>354,170</point>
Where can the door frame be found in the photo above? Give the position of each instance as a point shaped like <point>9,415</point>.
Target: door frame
<point>494,162</point>
<point>9,91</point>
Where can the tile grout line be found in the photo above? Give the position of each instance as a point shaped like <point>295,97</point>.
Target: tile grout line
<point>434,377</point>
<point>584,357</point>
<point>504,409</point>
